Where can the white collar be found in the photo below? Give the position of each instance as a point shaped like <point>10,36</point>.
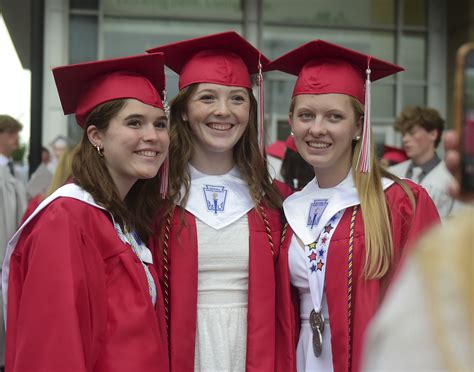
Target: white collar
<point>297,206</point>
<point>218,200</point>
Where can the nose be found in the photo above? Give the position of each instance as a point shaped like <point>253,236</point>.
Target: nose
<point>150,133</point>
<point>317,128</point>
<point>222,108</point>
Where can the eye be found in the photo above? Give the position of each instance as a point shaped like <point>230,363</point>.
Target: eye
<point>305,116</point>
<point>335,117</point>
<point>134,123</point>
<point>239,98</point>
<point>161,124</point>
<point>206,98</point>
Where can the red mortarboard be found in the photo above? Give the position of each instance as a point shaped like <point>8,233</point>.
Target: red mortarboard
<point>225,59</point>
<point>394,154</point>
<point>276,149</point>
<point>290,143</point>
<point>324,68</point>
<point>83,86</point>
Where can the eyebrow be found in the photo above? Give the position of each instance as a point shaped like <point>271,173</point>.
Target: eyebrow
<point>139,116</point>
<point>214,91</point>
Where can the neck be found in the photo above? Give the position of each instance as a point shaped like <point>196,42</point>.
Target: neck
<point>212,164</point>
<point>423,158</point>
<point>330,177</point>
<point>123,189</point>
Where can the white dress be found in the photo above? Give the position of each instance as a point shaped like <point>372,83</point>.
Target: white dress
<point>221,327</point>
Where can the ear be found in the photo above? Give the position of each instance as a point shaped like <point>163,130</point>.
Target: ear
<point>290,120</point>
<point>433,134</point>
<point>94,135</point>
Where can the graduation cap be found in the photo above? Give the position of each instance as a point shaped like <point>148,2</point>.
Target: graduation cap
<point>224,58</point>
<point>324,68</point>
<point>276,149</point>
<point>83,86</point>
<point>394,154</point>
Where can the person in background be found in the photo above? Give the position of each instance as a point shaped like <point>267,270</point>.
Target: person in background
<point>428,314</point>
<point>40,180</point>
<point>296,172</point>
<point>422,129</point>
<point>12,196</point>
<point>78,281</point>
<point>217,248</point>
<point>350,225</point>
<point>61,176</point>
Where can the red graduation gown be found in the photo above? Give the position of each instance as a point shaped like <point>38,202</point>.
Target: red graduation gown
<point>183,266</point>
<point>78,298</point>
<point>407,225</point>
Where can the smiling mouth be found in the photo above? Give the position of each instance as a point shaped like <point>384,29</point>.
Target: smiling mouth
<point>318,145</point>
<point>147,153</point>
<point>220,126</point>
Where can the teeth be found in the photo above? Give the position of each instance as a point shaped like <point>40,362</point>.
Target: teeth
<point>147,153</point>
<point>318,145</point>
<point>220,126</point>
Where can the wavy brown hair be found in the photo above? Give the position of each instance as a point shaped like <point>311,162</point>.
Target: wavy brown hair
<point>247,156</point>
<point>373,204</point>
<point>139,207</point>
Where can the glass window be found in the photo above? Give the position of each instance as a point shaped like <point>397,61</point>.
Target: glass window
<point>413,95</point>
<point>414,13</point>
<point>82,38</point>
<point>413,55</point>
<point>84,4</point>
<point>383,100</point>
<point>220,10</point>
<point>329,13</point>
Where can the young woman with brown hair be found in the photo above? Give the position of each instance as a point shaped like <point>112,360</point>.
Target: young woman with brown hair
<point>218,248</point>
<point>351,224</point>
<point>81,289</point>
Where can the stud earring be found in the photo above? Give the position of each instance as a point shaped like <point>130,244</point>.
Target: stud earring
<point>357,138</point>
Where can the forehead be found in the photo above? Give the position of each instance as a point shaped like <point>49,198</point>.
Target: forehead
<point>335,100</point>
<point>219,88</point>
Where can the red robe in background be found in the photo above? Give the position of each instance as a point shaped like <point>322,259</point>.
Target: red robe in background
<point>78,298</point>
<point>407,226</point>
<point>183,268</point>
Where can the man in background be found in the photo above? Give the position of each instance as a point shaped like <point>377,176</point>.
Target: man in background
<point>12,197</point>
<point>422,129</point>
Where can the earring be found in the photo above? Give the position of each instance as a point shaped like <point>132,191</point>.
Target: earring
<point>357,138</point>
<point>100,151</point>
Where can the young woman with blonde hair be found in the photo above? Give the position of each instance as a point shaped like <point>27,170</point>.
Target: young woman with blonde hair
<point>351,224</point>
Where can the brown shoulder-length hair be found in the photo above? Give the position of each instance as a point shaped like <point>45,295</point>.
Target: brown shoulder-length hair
<point>137,210</point>
<point>247,156</point>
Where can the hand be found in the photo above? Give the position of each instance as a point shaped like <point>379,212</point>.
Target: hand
<point>452,158</point>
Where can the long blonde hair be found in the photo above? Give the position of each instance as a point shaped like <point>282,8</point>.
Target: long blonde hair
<point>373,204</point>
<point>63,171</point>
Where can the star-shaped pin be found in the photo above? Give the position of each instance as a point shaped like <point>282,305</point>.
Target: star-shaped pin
<point>321,253</point>
<point>312,257</point>
<point>312,245</point>
<point>324,239</point>
<point>328,228</point>
<point>313,268</point>
<point>320,265</point>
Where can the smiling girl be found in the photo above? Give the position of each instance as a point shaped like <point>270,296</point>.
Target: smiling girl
<point>78,281</point>
<point>352,222</point>
<point>219,245</point>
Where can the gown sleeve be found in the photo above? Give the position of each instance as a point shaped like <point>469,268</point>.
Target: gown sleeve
<point>55,271</point>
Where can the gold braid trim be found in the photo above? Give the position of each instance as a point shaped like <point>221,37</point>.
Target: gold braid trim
<point>267,228</point>
<point>166,268</point>
<point>349,286</point>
